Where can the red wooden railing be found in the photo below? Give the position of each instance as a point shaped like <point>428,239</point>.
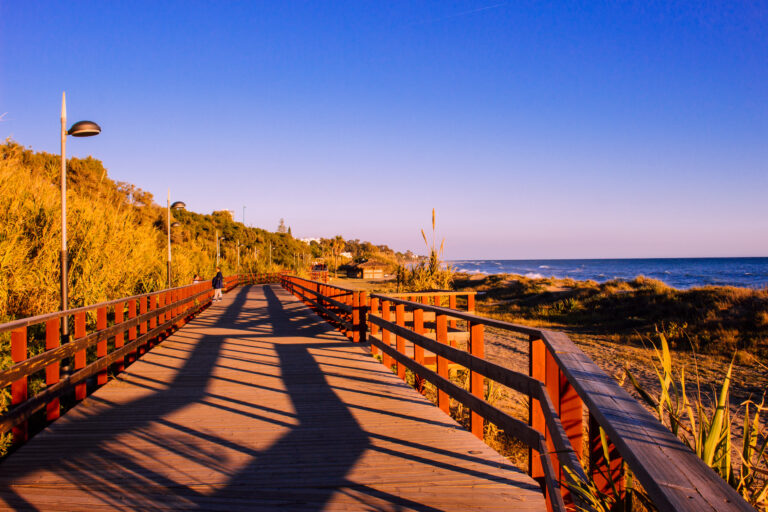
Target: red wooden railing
<point>569,397</point>
<point>144,319</point>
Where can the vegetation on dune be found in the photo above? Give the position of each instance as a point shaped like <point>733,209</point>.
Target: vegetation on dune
<point>429,273</point>
<point>711,431</point>
<point>718,320</point>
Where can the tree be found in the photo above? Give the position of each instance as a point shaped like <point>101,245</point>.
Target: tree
<point>289,232</point>
<point>336,247</point>
<point>281,227</point>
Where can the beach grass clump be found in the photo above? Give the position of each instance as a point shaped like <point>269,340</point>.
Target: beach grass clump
<point>430,273</point>
<point>711,431</point>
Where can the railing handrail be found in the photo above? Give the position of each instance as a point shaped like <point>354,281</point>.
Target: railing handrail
<point>672,475</point>
<point>32,320</point>
<point>445,293</point>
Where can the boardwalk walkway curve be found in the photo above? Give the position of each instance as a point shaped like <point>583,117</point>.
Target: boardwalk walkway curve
<point>258,404</point>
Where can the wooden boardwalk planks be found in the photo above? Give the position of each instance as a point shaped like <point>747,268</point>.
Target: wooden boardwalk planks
<point>258,405</point>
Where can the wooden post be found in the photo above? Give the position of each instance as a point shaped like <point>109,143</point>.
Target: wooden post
<point>52,371</point>
<point>441,335</point>
<point>152,307</point>
<point>363,316</point>
<point>471,303</point>
<point>373,327</point>
<point>143,325</point>
<point>385,334</point>
<point>399,340</point>
<point>569,409</point>
<point>599,469</point>
<point>80,389</point>
<point>129,358</point>
<point>19,387</point>
<point>476,381</point>
<point>101,345</point>
<point>120,337</point>
<point>452,305</point>
<point>537,370</point>
<point>418,328</point>
<point>356,317</point>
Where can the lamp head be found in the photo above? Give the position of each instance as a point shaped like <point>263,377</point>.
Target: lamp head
<point>178,205</point>
<point>175,224</point>
<point>84,129</point>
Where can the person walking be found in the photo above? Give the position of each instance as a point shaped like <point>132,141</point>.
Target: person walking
<point>218,284</point>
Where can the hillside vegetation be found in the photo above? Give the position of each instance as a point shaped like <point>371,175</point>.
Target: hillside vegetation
<point>117,238</point>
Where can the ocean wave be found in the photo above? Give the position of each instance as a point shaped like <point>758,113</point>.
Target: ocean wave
<point>543,266</point>
<point>534,275</point>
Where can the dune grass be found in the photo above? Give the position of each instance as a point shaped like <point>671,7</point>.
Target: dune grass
<point>713,320</point>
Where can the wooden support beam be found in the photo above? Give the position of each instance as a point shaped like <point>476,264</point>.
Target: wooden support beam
<point>476,380</point>
<point>399,340</point>
<point>80,389</point>
<point>19,387</point>
<point>443,401</point>
<point>537,370</point>
<point>101,345</point>
<point>52,371</point>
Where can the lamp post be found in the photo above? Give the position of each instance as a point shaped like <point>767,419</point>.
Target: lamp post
<point>218,247</point>
<point>177,205</point>
<point>79,129</point>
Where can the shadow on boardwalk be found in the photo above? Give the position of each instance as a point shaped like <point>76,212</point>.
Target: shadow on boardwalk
<point>303,469</point>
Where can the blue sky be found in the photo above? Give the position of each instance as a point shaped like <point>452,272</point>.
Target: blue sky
<point>536,129</point>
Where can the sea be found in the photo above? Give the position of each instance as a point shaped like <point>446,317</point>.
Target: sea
<point>680,273</point>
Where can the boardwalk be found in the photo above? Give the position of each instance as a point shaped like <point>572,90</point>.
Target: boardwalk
<point>259,405</point>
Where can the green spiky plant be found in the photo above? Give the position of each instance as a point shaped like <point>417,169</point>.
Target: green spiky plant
<point>708,431</point>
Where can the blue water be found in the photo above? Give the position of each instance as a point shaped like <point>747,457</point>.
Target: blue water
<point>679,273</point>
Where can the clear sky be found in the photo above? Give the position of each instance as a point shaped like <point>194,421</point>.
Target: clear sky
<point>536,129</point>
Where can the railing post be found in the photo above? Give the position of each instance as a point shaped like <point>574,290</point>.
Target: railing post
<point>418,328</point>
<point>52,371</point>
<point>385,310</point>
<point>152,307</point>
<point>363,317</point>
<point>569,408</point>
<point>477,381</point>
<point>80,389</point>
<point>101,345</point>
<point>471,303</point>
<point>129,358</point>
<point>19,387</point>
<point>399,340</point>
<point>441,336</point>
<point>374,311</point>
<point>120,337</point>
<point>568,405</point>
<point>452,305</point>
<point>143,325</point>
<point>355,317</point>
<point>536,369</point>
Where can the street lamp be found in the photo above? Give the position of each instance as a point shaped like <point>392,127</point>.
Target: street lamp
<point>178,205</point>
<point>218,247</point>
<point>79,129</point>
